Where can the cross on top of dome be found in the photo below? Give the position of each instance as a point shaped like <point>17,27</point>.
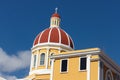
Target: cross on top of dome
<point>56,9</point>
<point>56,13</point>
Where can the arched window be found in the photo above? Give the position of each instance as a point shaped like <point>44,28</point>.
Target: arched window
<point>34,63</point>
<point>109,75</point>
<point>117,77</point>
<point>55,22</point>
<point>42,59</point>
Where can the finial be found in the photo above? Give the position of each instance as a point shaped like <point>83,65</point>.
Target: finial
<point>56,9</point>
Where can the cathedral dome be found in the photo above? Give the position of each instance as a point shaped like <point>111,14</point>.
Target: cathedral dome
<point>55,36</point>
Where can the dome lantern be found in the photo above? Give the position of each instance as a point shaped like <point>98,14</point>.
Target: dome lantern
<point>55,19</point>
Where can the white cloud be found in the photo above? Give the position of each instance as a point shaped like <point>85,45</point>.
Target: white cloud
<point>10,77</point>
<point>11,63</point>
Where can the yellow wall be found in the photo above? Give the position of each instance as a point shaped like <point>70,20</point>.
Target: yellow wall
<point>94,70</point>
<point>73,66</point>
<point>38,77</point>
<point>73,70</point>
<point>94,67</point>
<point>42,77</point>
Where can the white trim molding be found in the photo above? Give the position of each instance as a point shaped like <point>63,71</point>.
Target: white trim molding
<point>76,54</point>
<point>40,71</point>
<point>50,47</point>
<point>51,44</point>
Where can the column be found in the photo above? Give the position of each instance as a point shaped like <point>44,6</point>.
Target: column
<point>47,58</point>
<point>88,67</point>
<point>52,69</point>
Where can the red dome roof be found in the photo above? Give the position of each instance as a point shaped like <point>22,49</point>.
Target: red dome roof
<point>54,35</point>
<point>56,15</point>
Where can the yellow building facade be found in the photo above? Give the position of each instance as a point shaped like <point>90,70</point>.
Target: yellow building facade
<point>54,58</point>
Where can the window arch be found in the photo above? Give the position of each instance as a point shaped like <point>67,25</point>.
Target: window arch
<point>42,59</point>
<point>109,75</point>
<point>117,77</point>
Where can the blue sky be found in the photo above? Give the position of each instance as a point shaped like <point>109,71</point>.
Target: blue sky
<point>90,23</point>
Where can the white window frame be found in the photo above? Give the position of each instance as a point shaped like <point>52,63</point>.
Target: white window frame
<point>61,65</point>
<point>80,63</point>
